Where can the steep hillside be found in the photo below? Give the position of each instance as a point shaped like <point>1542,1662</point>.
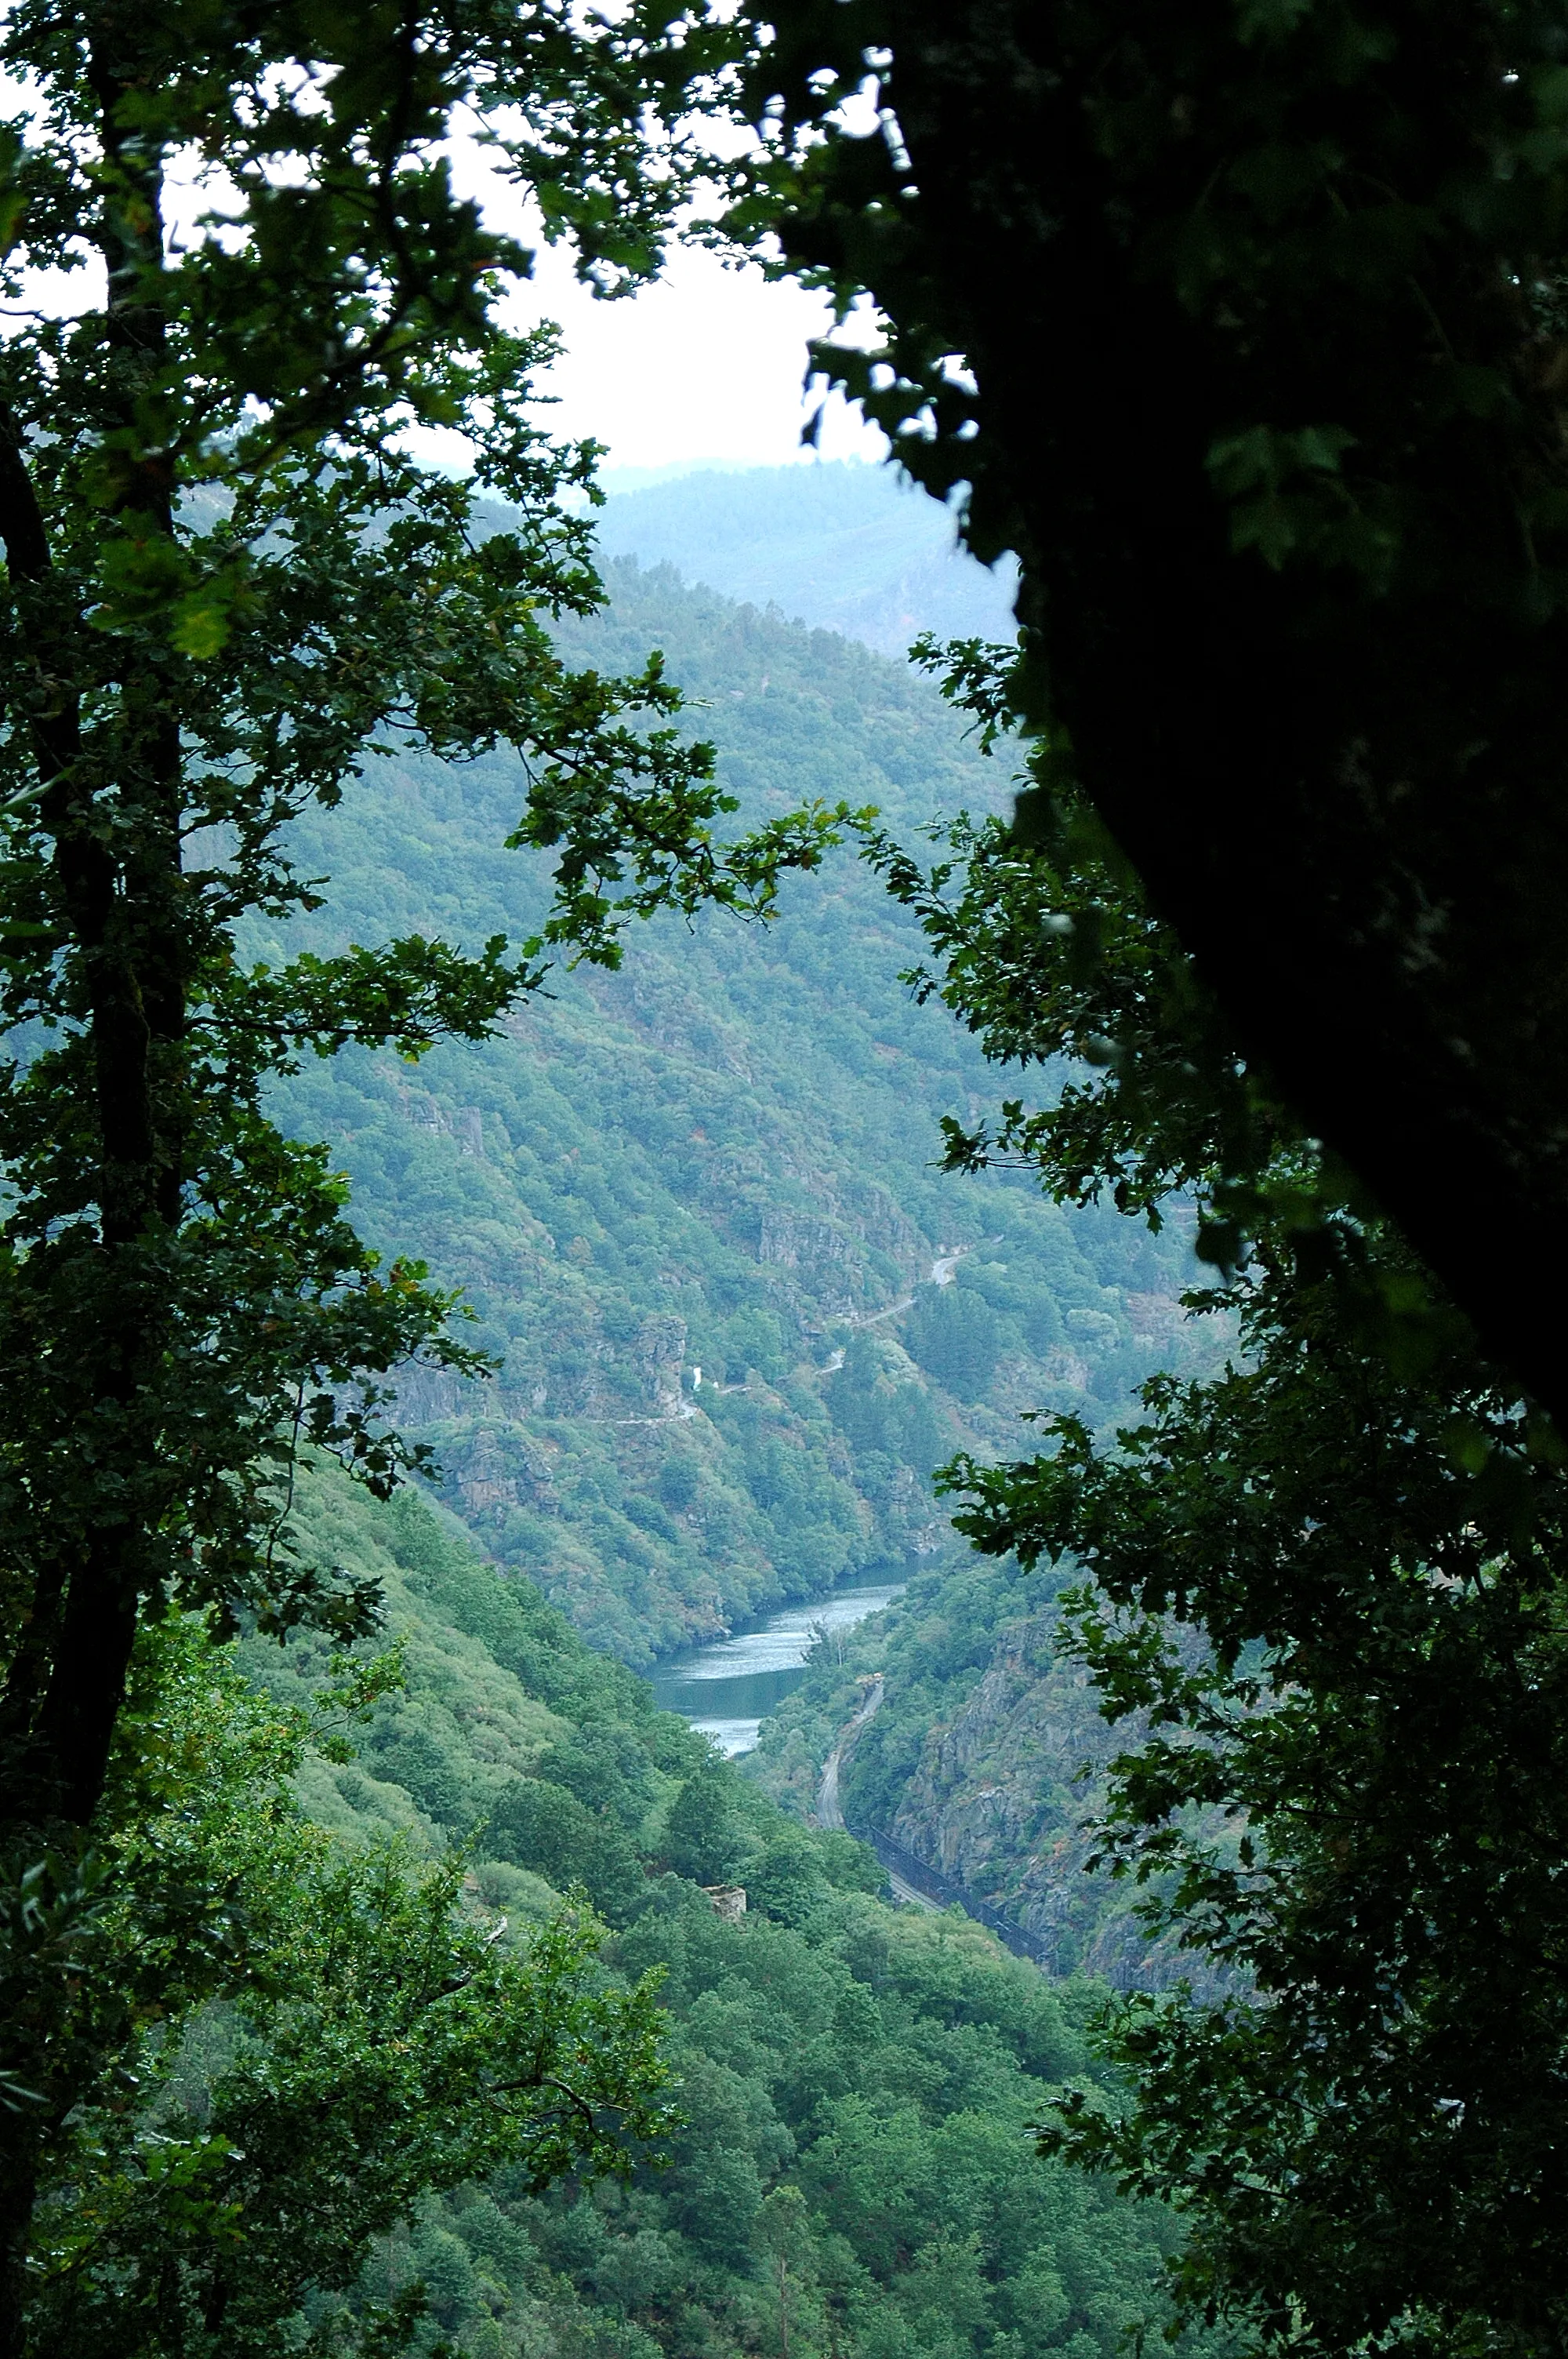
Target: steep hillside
<point>844,546</point>
<point>693,1204</point>
<point>972,1760</point>
<point>855,2175</point>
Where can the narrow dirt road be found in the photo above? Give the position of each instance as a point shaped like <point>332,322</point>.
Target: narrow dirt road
<point>828,1813</point>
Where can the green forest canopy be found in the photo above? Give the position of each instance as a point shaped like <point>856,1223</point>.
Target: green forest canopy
<point>720,1158</point>
<point>858,2083</point>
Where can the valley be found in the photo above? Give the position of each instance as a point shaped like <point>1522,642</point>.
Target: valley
<point>781,1557</point>
<point>737,1313</point>
<point>724,1689</point>
<point>694,1206</point>
<point>737,1316</point>
<point>855,2083</point>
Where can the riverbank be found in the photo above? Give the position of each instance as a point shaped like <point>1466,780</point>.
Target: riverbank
<point>726,1688</point>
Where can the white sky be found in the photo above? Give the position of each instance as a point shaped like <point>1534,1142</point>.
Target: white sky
<point>706,365</point>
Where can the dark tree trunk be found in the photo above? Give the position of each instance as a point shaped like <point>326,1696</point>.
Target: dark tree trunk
<point>1352,808</point>
<point>118,898</point>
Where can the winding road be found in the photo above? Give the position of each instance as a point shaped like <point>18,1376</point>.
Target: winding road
<point>830,1811</point>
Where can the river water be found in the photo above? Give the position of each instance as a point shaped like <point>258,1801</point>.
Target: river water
<point>727,1687</point>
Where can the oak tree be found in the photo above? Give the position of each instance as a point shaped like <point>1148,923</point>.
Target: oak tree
<point>1321,1593</point>
<point>1243,324</point>
<point>239,275</point>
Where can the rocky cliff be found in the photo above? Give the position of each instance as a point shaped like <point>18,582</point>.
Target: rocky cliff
<point>1001,1799</point>
<point>985,1759</point>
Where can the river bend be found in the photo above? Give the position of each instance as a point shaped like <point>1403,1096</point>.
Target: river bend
<point>727,1687</point>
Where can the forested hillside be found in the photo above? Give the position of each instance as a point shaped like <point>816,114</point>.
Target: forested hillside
<point>419,1350</point>
<point>972,1759</point>
<point>847,546</point>
<point>854,2171</point>
<point>694,1204</point>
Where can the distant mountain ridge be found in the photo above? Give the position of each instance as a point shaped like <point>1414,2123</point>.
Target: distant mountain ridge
<point>841,545</point>
<point>720,1158</point>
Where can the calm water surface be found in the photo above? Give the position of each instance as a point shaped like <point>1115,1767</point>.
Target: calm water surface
<point>727,1687</point>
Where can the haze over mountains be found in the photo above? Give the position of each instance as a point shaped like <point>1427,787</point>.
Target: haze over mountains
<point>842,546</point>
<point>696,1212</point>
<point>694,1205</point>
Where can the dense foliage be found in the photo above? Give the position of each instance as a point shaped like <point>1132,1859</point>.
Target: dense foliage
<point>975,1758</point>
<point>228,586</point>
<point>720,1160</point>
<point>277,2044</point>
<point>1244,327</point>
<point>854,2170</point>
<point>1323,1592</point>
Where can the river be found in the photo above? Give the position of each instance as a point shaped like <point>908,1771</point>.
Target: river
<point>726,1688</point>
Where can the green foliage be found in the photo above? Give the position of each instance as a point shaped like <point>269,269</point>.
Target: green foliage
<point>1321,1599</point>
<point>732,1139</point>
<point>877,1412</point>
<point>279,2045</point>
<point>540,1824</point>
<point>955,1334</point>
<point>230,587</point>
<point>1394,1897</point>
<point>1244,328</point>
<point>857,2084</point>
<point>703,1837</point>
<point>226,1260</point>
<point>987,1752</point>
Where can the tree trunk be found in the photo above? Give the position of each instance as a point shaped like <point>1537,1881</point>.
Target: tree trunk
<point>1352,807</point>
<point>118,896</point>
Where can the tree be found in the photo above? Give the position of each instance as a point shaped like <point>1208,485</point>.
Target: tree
<point>784,2235</point>
<point>1330,1578</point>
<point>956,1335</point>
<point>310,2040</point>
<point>535,1825</point>
<point>229,583</point>
<point>704,1837</point>
<point>1244,328</point>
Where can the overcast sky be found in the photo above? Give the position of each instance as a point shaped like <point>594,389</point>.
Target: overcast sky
<point>706,365</point>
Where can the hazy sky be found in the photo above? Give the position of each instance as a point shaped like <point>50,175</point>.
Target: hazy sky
<point>708,363</point>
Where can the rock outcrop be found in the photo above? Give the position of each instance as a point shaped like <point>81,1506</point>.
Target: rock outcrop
<point>1003,1798</point>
